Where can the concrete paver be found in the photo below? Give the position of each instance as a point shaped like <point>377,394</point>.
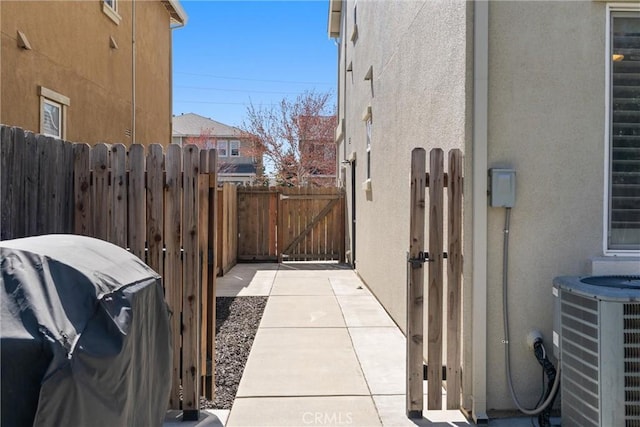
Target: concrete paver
<point>245,282</point>
<point>381,353</point>
<point>302,311</point>
<point>363,310</point>
<point>326,353</point>
<point>302,362</point>
<point>301,411</point>
<point>302,286</point>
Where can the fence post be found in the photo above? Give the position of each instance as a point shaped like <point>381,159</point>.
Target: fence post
<point>436,261</point>
<point>415,289</point>
<point>210,383</point>
<point>454,276</point>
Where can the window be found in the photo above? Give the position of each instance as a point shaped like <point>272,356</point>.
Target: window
<point>53,112</point>
<point>623,174</point>
<point>222,148</point>
<point>234,148</point>
<point>110,8</point>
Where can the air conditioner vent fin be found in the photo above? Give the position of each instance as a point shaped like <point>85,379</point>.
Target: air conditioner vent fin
<point>631,327</point>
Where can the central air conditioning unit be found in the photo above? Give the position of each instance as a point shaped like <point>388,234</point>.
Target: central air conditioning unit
<point>597,338</point>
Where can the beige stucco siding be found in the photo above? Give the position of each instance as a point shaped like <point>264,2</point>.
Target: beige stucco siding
<point>546,120</point>
<point>417,51</point>
<point>71,54</point>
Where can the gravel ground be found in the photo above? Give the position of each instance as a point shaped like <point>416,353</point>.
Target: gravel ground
<point>237,321</point>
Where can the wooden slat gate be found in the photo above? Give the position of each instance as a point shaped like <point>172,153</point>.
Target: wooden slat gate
<point>290,224</point>
<point>439,320</point>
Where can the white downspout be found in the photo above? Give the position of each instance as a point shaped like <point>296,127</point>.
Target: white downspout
<point>479,210</point>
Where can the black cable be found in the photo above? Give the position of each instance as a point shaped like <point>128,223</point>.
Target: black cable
<point>550,371</point>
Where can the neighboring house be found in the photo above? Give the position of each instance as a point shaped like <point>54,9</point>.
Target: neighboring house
<point>548,88</point>
<point>238,161</point>
<point>318,149</point>
<point>89,71</point>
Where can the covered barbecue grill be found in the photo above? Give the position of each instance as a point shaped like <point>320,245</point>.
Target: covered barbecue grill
<point>84,335</point>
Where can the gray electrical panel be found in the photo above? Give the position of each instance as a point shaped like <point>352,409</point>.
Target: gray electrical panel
<point>502,190</point>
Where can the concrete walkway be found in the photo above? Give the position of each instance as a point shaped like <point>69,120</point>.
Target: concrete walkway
<point>326,353</point>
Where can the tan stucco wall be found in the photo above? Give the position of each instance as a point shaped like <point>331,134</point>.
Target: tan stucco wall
<point>72,56</point>
<point>418,54</point>
<point>546,120</point>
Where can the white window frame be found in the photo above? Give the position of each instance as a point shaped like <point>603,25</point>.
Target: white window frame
<point>51,97</point>
<point>611,8</point>
<point>111,10</point>
<point>232,144</point>
<point>223,144</point>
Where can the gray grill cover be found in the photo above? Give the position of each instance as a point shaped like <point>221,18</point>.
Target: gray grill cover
<point>84,334</point>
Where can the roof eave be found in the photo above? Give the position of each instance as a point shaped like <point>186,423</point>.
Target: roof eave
<point>178,15</point>
<point>335,13</point>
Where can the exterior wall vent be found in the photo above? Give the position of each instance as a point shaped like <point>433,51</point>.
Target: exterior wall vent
<point>597,334</point>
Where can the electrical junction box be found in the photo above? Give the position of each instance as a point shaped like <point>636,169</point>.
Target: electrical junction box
<point>502,188</point>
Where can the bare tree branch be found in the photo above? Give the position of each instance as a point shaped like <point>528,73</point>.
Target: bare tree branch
<point>296,136</point>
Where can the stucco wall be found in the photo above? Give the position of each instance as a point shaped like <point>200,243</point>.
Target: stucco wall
<point>72,55</point>
<point>417,97</point>
<point>546,120</point>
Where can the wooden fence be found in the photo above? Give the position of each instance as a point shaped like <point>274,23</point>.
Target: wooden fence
<point>290,224</point>
<point>436,180</point>
<point>227,221</point>
<point>156,204</point>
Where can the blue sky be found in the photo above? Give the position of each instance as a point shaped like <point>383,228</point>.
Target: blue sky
<point>231,52</point>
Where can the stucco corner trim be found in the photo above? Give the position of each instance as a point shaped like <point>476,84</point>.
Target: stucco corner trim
<point>23,41</point>
<point>366,114</point>
<point>339,132</point>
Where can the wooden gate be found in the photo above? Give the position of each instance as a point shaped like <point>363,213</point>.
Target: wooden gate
<point>290,224</point>
<point>440,319</point>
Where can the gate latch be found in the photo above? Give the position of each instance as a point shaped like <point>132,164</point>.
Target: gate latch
<point>421,259</point>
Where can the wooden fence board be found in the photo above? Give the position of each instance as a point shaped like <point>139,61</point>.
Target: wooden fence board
<point>436,262</point>
<point>7,145</point>
<point>118,232</point>
<point>137,209</point>
<point>155,207</point>
<point>203,241</point>
<point>67,199</point>
<point>191,286</point>
<point>82,188</point>
<point>454,279</point>
<point>56,186</point>
<point>415,289</point>
<point>31,182</point>
<point>17,186</point>
<point>173,263</point>
<point>101,198</point>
